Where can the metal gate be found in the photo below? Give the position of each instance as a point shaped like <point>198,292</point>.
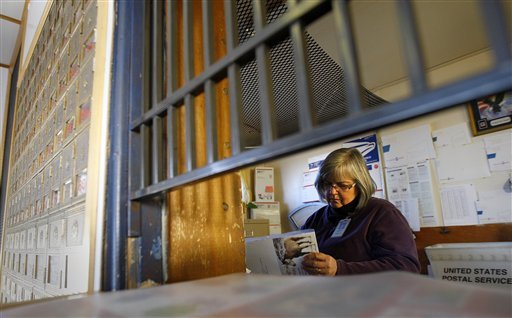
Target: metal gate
<point>147,96</point>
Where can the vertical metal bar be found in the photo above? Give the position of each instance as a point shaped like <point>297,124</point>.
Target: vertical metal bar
<point>144,151</point>
<point>188,40</point>
<point>157,153</point>
<point>156,52</point>
<point>172,46</point>
<point>146,61</point>
<point>118,214</point>
<point>235,90</point>
<point>189,74</point>
<point>156,89</point>
<point>190,133</point>
<point>307,114</point>
<point>172,82</point>
<point>145,160</point>
<point>172,154</point>
<point>209,86</point>
<point>497,30</point>
<point>413,53</point>
<point>267,107</point>
<point>348,54</point>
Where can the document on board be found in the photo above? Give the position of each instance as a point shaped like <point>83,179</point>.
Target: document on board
<point>453,136</point>
<point>499,151</point>
<point>408,146</point>
<point>494,207</point>
<point>309,194</point>
<point>458,205</point>
<point>410,209</point>
<point>462,163</point>
<point>414,182</point>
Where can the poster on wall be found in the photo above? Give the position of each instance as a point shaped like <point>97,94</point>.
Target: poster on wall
<point>368,147</point>
<point>491,113</point>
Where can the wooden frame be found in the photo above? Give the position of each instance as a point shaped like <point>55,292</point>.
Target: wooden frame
<point>491,113</point>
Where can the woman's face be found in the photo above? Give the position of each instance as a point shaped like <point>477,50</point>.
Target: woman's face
<point>340,192</point>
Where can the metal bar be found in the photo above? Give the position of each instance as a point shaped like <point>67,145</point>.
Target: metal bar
<point>435,100</point>
<point>145,153</point>
<point>172,82</point>
<point>156,48</point>
<point>151,241</point>
<point>136,94</point>
<point>172,46</point>
<point>157,150</point>
<point>267,106</point>
<point>307,113</point>
<point>172,143</point>
<point>156,90</point>
<point>146,61</point>
<point>209,85</point>
<point>497,30</point>
<point>235,89</point>
<point>237,53</point>
<point>117,180</point>
<point>347,50</point>
<point>211,122</point>
<point>188,44</point>
<point>207,33</point>
<point>190,134</point>
<point>413,53</point>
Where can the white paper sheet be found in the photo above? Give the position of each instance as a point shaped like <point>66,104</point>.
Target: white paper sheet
<point>410,209</point>
<point>408,146</point>
<point>414,182</point>
<point>309,194</point>
<point>309,177</point>
<point>498,148</point>
<point>458,205</point>
<point>494,207</point>
<point>397,183</point>
<point>462,163</point>
<point>452,136</point>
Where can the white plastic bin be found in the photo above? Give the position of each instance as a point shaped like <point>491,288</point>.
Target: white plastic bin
<point>487,264</point>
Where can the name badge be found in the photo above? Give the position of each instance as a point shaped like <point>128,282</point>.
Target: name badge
<point>340,228</point>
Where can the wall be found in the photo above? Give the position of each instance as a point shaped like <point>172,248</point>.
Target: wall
<point>288,170</point>
<point>55,183</point>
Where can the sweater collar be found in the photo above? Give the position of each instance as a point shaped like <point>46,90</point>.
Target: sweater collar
<point>345,211</point>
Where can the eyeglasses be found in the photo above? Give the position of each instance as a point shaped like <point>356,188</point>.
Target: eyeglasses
<point>339,187</point>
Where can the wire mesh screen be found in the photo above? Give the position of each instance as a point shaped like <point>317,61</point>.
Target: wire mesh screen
<point>327,79</point>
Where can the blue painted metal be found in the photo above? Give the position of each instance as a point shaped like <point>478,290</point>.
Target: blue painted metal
<point>114,271</point>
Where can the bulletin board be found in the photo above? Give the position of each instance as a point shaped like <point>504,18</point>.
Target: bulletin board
<point>435,170</point>
<point>46,245</point>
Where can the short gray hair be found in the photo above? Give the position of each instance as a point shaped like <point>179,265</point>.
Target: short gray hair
<point>346,163</point>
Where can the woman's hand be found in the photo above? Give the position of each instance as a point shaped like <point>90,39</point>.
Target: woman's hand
<point>319,264</point>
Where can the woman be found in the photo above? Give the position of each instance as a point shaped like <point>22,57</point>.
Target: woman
<point>356,232</point>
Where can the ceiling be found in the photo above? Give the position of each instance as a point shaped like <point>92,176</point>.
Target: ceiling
<point>449,29</point>
<point>11,12</point>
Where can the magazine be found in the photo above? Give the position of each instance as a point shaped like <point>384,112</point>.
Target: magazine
<point>279,254</point>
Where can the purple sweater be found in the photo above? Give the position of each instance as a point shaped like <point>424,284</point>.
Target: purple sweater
<point>378,238</point>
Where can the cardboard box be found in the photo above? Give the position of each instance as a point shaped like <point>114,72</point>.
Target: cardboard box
<point>264,184</point>
<point>271,212</point>
<point>255,228</point>
<point>473,263</point>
